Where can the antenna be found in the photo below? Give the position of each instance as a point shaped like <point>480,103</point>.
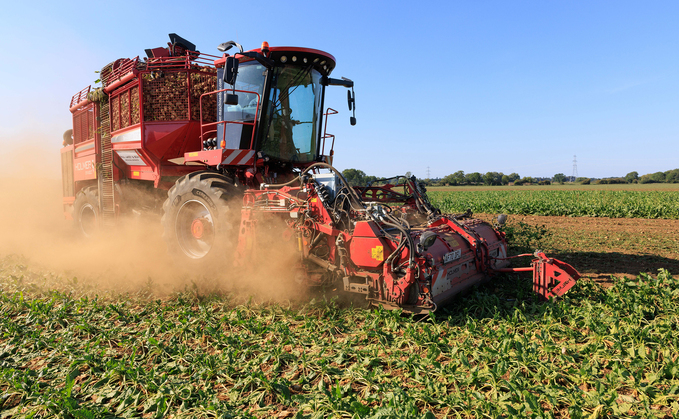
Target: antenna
<point>428,173</point>
<point>575,168</point>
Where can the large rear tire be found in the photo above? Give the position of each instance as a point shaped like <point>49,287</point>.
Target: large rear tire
<point>86,212</point>
<point>201,217</point>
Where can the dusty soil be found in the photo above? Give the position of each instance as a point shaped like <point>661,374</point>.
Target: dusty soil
<point>603,247</point>
<point>129,258</point>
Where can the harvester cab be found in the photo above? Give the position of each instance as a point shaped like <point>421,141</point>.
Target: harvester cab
<point>269,113</point>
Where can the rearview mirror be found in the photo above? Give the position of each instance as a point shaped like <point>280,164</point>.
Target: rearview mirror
<point>230,70</point>
<point>351,99</point>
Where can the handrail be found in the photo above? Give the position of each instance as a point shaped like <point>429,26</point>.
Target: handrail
<point>217,123</point>
<point>325,131</point>
<point>125,66</point>
<point>79,97</point>
<point>187,61</point>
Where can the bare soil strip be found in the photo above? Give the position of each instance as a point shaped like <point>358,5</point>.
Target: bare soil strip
<point>603,247</point>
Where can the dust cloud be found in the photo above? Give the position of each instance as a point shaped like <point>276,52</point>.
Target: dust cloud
<point>131,257</point>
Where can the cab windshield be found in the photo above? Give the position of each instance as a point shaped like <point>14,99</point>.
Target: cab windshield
<point>291,120</point>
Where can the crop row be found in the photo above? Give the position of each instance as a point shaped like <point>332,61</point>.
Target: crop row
<point>496,353</point>
<point>574,203</point>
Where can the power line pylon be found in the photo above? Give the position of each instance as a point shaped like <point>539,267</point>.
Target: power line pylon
<point>575,169</point>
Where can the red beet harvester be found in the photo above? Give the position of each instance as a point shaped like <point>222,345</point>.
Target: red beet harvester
<point>225,147</point>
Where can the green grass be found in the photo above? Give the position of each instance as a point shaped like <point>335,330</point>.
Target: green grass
<point>599,202</point>
<point>496,352</point>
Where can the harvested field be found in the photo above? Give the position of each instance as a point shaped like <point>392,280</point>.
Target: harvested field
<point>601,248</point>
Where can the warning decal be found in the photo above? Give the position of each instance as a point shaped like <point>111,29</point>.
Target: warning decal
<point>378,253</point>
<point>131,157</point>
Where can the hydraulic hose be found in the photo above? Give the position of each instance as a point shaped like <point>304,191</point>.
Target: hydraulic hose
<point>352,192</point>
<point>407,240</point>
<point>280,185</point>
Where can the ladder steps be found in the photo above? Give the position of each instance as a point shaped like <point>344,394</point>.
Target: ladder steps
<point>107,195</point>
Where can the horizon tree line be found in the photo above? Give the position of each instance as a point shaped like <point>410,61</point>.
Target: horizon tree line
<point>357,177</point>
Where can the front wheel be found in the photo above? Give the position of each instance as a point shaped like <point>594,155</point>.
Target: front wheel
<point>199,216</point>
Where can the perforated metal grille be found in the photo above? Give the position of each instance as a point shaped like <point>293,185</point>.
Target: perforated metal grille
<point>166,96</point>
<point>125,109</point>
<point>134,100</point>
<point>115,113</point>
<point>203,82</point>
<point>83,125</point>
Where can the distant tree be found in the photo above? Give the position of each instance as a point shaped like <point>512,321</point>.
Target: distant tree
<point>583,180</point>
<point>559,178</point>
<point>527,179</point>
<point>613,181</point>
<point>631,177</point>
<point>658,177</point>
<point>505,179</point>
<point>544,182</point>
<point>473,178</point>
<point>646,178</point>
<point>513,177</point>
<point>458,177</point>
<point>492,178</point>
<point>354,176</point>
<point>672,176</point>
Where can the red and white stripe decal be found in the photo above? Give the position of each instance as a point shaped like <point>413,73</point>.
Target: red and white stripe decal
<point>439,282</point>
<point>238,157</point>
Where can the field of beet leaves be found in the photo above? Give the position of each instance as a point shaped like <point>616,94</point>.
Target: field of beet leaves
<point>69,350</point>
<point>644,201</point>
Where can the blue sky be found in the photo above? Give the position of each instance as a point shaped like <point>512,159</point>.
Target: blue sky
<point>506,86</point>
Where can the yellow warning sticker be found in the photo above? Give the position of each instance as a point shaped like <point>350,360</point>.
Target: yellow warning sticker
<point>451,241</point>
<point>378,253</point>
<point>135,173</point>
<point>192,154</point>
<point>314,199</point>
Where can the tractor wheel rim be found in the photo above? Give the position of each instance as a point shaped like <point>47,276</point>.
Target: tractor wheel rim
<point>194,228</point>
<point>197,228</point>
<point>87,220</point>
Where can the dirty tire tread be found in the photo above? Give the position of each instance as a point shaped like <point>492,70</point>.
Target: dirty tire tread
<point>224,196</point>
